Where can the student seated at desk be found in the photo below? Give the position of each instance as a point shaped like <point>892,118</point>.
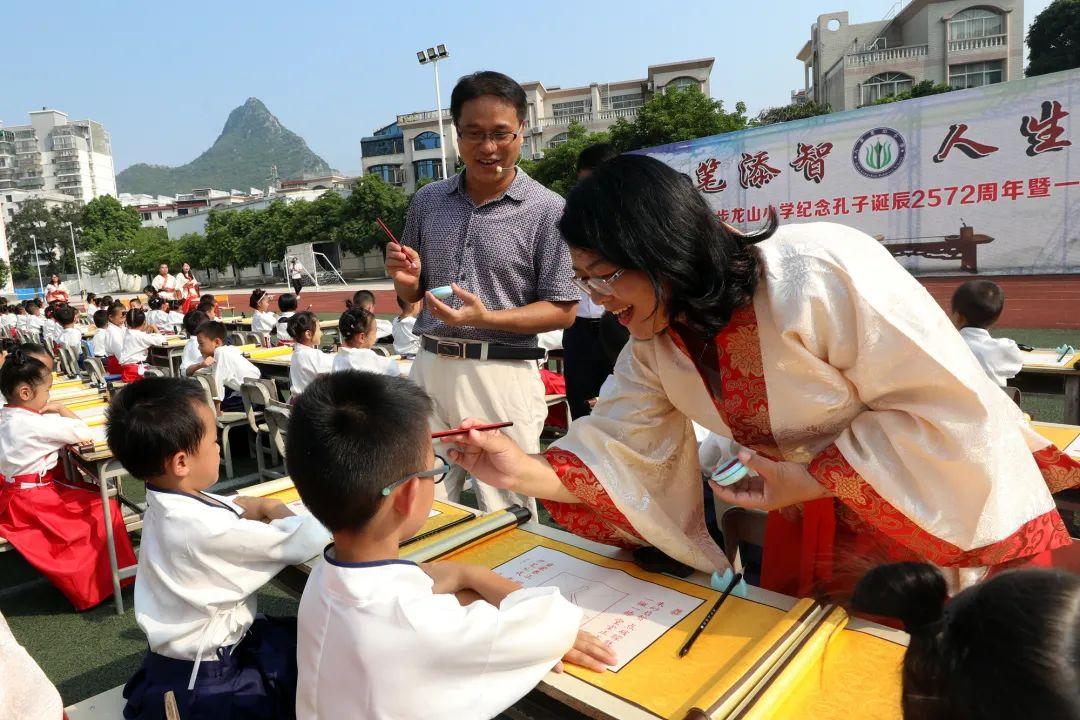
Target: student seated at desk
<point>99,344</point>
<point>357,331</point>
<point>366,299</point>
<point>230,367</point>
<point>976,306</point>
<point>209,305</point>
<point>91,304</point>
<point>51,330</point>
<point>1008,647</point>
<point>34,322</point>
<point>202,559</point>
<point>114,344</point>
<point>140,336</point>
<point>56,523</point>
<point>405,343</point>
<point>192,361</point>
<point>308,361</point>
<point>263,321</point>
<point>384,638</point>
<point>157,316</point>
<point>174,318</point>
<point>70,336</point>
<point>287,305</point>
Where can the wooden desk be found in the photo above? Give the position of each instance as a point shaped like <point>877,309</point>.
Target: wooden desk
<point>1067,501</point>
<point>168,356</point>
<point>1041,377</point>
<point>277,367</point>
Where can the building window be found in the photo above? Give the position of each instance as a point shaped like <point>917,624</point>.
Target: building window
<point>146,216</point>
<point>885,85</point>
<point>627,102</point>
<point>976,74</point>
<point>976,23</point>
<point>682,82</point>
<point>426,141</point>
<point>427,170</point>
<point>571,108</point>
<point>390,174</point>
<point>559,139</point>
<point>382,146</point>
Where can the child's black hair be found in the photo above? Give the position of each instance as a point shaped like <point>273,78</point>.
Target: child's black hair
<point>213,330</point>
<point>141,436</point>
<point>362,298</point>
<point>175,305</point>
<point>19,309</point>
<point>1008,647</point>
<point>193,320</point>
<point>286,302</point>
<point>207,299</point>
<point>403,304</point>
<point>90,297</point>
<point>256,295</point>
<point>22,368</point>
<point>150,291</point>
<point>354,321</point>
<point>65,315</point>
<point>301,323</point>
<point>156,303</point>
<point>101,319</point>
<point>117,308</point>
<point>106,301</point>
<point>980,302</point>
<point>339,453</point>
<point>136,318</point>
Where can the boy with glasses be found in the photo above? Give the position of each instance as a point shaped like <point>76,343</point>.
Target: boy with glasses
<point>491,234</point>
<point>381,637</point>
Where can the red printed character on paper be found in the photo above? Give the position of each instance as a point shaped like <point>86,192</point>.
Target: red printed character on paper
<point>810,160</point>
<point>706,176</point>
<point>755,171</point>
<point>955,139</point>
<point>1043,134</point>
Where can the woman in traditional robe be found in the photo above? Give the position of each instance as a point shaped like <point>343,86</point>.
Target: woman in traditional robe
<point>867,419</point>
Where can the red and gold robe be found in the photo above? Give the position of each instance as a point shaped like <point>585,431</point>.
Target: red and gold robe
<point>842,362</point>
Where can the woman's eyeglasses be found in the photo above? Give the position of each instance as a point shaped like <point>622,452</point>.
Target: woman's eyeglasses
<point>438,473</point>
<point>599,285</point>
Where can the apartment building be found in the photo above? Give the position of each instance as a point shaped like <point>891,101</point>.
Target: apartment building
<point>52,153</point>
<point>963,43</point>
<point>409,149</point>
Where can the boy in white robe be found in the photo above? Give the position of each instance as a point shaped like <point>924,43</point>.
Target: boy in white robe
<point>191,360</point>
<point>384,638</point>
<point>202,559</point>
<point>230,366</point>
<point>976,306</point>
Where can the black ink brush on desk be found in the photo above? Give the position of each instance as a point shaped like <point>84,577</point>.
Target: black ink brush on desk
<point>709,616</point>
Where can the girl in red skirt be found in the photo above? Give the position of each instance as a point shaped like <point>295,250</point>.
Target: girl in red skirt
<point>56,524</point>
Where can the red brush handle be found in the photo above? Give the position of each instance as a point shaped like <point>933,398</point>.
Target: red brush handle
<point>386,230</point>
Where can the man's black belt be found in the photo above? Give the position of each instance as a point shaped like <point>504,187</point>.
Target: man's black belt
<point>476,350</point>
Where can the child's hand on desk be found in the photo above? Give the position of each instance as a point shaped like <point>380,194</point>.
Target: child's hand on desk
<point>447,577</point>
<point>59,409</point>
<point>588,652</point>
<point>261,508</point>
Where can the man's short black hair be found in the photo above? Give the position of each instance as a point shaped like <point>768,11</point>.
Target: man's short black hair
<point>350,435</point>
<point>595,155</point>
<point>193,320</point>
<point>212,330</point>
<point>488,82</point>
<point>65,315</point>
<point>286,302</point>
<point>101,318</point>
<point>150,421</point>
<point>980,302</point>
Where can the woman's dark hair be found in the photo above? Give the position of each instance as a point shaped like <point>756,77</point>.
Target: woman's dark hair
<point>21,368</point>
<point>361,298</point>
<point>193,320</point>
<point>488,82</point>
<point>1008,647</point>
<point>640,214</point>
<point>136,317</point>
<point>256,295</point>
<point>54,275</point>
<point>595,155</point>
<point>302,322</point>
<point>354,321</point>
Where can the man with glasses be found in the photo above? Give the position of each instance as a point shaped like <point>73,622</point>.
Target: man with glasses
<point>491,234</point>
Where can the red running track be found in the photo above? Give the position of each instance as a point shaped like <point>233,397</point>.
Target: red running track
<point>1032,301</point>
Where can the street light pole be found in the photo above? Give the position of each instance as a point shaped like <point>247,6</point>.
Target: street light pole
<point>433,55</point>
<point>37,261</point>
<point>75,252</point>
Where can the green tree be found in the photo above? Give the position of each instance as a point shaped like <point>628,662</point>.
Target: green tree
<point>1053,39</point>
<point>919,89</point>
<point>192,248</point>
<point>794,111</point>
<point>104,218</point>
<point>371,198</point>
<point>110,254</point>
<point>675,116</point>
<point>3,272</point>
<point>557,170</point>
<point>268,235</point>
<point>219,252</point>
<point>61,215</point>
<point>33,225</point>
<point>149,248</point>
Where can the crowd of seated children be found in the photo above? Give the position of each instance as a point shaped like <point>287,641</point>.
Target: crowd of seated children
<point>263,322</point>
<point>114,344</point>
<point>976,306</point>
<point>56,523</point>
<point>462,641</point>
<point>230,367</point>
<point>287,304</point>
<point>1008,647</point>
<point>405,343</point>
<point>357,331</point>
<point>191,360</point>
<point>308,361</point>
<point>202,559</point>
<point>140,336</point>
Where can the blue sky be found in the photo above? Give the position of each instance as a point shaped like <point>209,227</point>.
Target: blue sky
<point>163,78</point>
